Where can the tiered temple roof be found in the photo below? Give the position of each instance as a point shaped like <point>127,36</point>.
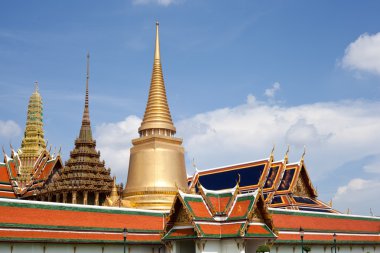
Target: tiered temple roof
<point>191,218</point>
<point>23,173</point>
<point>284,185</point>
<point>219,214</point>
<point>84,179</point>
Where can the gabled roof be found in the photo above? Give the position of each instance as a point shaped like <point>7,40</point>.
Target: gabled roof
<point>251,176</point>
<point>199,216</point>
<point>43,167</point>
<point>219,202</point>
<point>196,206</point>
<point>274,176</point>
<point>242,206</point>
<point>296,180</point>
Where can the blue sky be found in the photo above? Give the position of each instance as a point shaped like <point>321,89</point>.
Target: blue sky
<point>241,77</point>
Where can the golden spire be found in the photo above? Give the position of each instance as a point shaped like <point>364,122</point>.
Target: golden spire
<point>157,161</point>
<point>157,114</point>
<point>85,130</point>
<point>33,142</point>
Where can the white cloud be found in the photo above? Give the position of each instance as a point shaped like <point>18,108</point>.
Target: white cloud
<point>363,54</point>
<point>358,195</point>
<point>334,134</point>
<point>301,133</point>
<point>159,2</point>
<point>9,129</point>
<point>271,92</point>
<point>373,166</point>
<point>114,142</point>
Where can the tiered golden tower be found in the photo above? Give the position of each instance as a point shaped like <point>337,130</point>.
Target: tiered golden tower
<point>33,142</point>
<point>157,164</point>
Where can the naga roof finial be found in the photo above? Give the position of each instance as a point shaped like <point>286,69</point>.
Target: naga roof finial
<point>286,158</point>
<point>303,154</point>
<point>272,152</point>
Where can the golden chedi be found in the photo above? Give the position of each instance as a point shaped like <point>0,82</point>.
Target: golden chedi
<point>157,165</point>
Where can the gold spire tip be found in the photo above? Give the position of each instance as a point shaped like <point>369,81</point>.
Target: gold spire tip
<point>157,49</point>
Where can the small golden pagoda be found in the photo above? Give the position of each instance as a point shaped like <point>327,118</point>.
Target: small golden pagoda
<point>157,165</point>
<point>84,179</point>
<point>33,142</point>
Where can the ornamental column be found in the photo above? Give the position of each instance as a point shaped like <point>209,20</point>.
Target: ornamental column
<point>74,198</point>
<point>64,197</point>
<point>85,194</point>
<point>96,199</point>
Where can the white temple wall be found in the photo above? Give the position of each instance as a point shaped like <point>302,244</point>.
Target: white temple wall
<point>252,245</point>
<point>326,249</point>
<point>208,246</point>
<point>76,248</point>
<point>231,245</point>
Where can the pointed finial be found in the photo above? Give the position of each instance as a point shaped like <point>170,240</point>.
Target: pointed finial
<point>114,181</point>
<point>330,203</point>
<point>3,150</point>
<point>238,180</point>
<point>272,152</point>
<point>59,151</point>
<point>193,164</point>
<point>87,78</point>
<point>36,86</point>
<point>348,211</point>
<point>157,50</point>
<point>85,130</point>
<point>370,211</point>
<point>304,153</point>
<point>50,148</point>
<point>287,155</point>
<point>12,151</point>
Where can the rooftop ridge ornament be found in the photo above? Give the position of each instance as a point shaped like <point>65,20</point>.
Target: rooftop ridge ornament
<point>286,158</point>
<point>157,113</point>
<point>303,154</point>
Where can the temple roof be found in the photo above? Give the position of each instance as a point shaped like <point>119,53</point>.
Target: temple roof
<point>284,185</point>
<point>43,167</point>
<point>83,171</point>
<point>26,221</point>
<point>199,216</point>
<point>319,227</point>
